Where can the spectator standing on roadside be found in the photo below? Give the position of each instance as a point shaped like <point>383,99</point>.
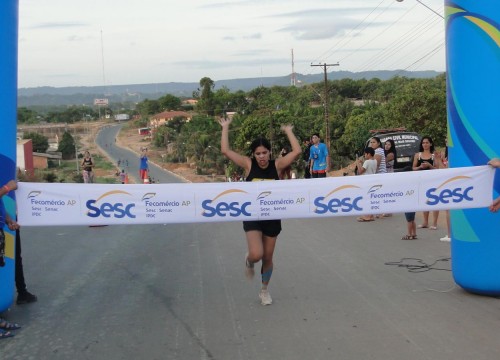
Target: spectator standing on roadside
<point>23,295</point>
<point>391,158</point>
<point>376,144</point>
<point>305,157</point>
<point>319,158</point>
<point>424,160</point>
<point>390,155</point>
<point>286,173</point>
<point>368,167</point>
<point>444,165</point>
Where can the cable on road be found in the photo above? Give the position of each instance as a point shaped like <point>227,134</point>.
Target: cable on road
<point>415,265</point>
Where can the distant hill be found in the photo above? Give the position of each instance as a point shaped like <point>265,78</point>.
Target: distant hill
<point>79,95</point>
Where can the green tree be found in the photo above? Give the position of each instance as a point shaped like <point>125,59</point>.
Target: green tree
<point>40,142</point>
<point>163,136</point>
<point>176,124</point>
<point>169,102</point>
<point>26,116</point>
<point>206,96</point>
<point>67,146</point>
<point>420,106</point>
<point>357,130</point>
<point>148,107</point>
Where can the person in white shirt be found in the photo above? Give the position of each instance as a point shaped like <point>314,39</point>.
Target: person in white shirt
<point>369,166</point>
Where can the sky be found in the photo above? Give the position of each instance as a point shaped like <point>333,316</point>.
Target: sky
<point>95,42</point>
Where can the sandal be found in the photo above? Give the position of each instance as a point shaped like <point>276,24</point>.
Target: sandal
<point>5,334</point>
<point>422,226</point>
<point>433,227</point>
<point>408,237</point>
<point>7,326</point>
<point>360,219</point>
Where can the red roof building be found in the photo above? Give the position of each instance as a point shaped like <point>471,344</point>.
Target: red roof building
<point>166,116</point>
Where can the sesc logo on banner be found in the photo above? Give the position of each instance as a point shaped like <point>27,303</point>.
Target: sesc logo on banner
<point>228,203</point>
<point>340,200</point>
<point>451,191</point>
<point>104,206</point>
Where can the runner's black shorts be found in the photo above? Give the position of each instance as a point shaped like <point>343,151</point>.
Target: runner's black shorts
<point>270,228</point>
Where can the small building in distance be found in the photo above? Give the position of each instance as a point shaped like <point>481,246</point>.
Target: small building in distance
<point>166,116</point>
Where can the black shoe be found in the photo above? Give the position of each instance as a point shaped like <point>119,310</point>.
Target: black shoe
<point>26,298</point>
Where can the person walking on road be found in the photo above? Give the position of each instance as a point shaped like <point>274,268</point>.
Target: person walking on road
<point>261,235</point>
<point>143,167</point>
<point>87,165</point>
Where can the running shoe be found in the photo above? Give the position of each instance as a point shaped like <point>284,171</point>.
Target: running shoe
<point>445,238</point>
<point>26,298</point>
<point>265,297</point>
<point>249,270</point>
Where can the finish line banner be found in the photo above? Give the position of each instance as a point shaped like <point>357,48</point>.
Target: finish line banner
<point>49,204</point>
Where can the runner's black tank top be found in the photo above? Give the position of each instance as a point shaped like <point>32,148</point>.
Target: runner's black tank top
<point>87,162</point>
<point>259,174</point>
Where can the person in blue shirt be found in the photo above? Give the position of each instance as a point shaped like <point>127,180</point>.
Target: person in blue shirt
<point>23,295</point>
<point>6,327</point>
<point>143,168</point>
<point>319,158</point>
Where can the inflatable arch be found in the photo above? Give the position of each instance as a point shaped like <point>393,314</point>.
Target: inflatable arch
<point>473,75</point>
<point>473,78</point>
<point>8,104</point>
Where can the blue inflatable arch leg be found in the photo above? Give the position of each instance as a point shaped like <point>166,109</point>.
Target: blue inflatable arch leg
<point>473,75</point>
<point>8,104</point>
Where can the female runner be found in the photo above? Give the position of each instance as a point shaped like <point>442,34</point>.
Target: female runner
<point>261,235</point>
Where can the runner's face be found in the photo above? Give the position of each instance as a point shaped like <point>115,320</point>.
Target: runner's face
<point>262,155</point>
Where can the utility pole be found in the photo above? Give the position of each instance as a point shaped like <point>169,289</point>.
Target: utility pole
<point>325,102</point>
<point>293,81</point>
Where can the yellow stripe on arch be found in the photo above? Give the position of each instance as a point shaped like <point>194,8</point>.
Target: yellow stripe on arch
<point>113,192</point>
<point>489,29</point>
<point>460,177</point>
<point>342,188</point>
<point>229,192</point>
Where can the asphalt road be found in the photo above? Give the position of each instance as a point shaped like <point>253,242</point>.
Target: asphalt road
<point>179,292</point>
<point>129,160</point>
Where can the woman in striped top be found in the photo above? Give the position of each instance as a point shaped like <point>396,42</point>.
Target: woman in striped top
<point>376,144</point>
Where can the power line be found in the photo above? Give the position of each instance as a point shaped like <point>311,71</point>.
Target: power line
<point>376,36</point>
<point>372,21</point>
<point>359,24</point>
<point>400,43</point>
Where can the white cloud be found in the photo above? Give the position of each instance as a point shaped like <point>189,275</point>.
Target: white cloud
<point>168,40</point>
